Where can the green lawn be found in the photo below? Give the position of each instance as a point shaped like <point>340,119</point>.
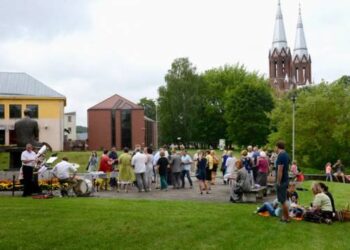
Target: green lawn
<point>97,223</point>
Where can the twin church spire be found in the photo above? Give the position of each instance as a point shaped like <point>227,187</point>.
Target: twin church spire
<point>289,71</point>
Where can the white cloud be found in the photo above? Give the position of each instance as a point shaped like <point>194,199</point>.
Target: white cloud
<point>127,46</point>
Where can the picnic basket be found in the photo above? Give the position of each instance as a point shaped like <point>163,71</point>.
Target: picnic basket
<point>344,214</point>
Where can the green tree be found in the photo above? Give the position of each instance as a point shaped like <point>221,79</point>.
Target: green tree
<point>218,83</point>
<point>322,124</point>
<point>179,102</point>
<point>150,107</point>
<point>247,108</point>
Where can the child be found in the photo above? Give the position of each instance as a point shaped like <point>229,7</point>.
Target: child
<point>329,172</point>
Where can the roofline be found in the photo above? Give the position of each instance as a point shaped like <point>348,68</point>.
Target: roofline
<point>141,108</point>
<point>18,97</point>
<point>110,109</point>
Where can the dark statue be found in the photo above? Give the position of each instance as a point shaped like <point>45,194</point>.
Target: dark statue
<point>27,131</point>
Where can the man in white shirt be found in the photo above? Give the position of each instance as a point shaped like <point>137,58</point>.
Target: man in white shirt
<point>65,172</point>
<point>187,163</point>
<point>139,162</point>
<point>28,158</point>
<point>231,170</point>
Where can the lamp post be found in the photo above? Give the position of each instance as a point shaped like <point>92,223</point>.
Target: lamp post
<point>294,98</point>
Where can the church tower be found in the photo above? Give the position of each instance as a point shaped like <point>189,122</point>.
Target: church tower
<point>280,57</point>
<point>301,67</point>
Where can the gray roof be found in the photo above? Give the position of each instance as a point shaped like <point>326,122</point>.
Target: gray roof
<point>279,36</point>
<point>22,84</point>
<point>300,48</point>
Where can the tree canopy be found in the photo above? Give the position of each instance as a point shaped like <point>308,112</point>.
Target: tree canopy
<point>322,123</point>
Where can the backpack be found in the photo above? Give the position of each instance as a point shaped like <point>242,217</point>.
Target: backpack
<point>247,164</point>
<point>215,160</point>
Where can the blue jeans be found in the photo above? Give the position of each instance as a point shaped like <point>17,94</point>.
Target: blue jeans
<point>186,173</point>
<point>267,207</point>
<point>163,182</point>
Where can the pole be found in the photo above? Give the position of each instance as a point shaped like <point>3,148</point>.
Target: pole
<point>293,129</point>
<point>157,146</point>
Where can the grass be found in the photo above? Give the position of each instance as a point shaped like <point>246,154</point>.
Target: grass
<point>97,223</point>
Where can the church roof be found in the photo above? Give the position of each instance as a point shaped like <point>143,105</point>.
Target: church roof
<point>300,48</point>
<point>279,36</point>
<point>22,84</point>
<point>116,102</point>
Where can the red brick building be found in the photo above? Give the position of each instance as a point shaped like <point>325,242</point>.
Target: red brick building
<point>119,122</point>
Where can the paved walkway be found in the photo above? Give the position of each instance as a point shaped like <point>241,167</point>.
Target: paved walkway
<point>219,193</point>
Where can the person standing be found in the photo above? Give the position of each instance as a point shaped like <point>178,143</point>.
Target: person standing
<point>215,166</point>
<point>105,167</point>
<point>329,172</point>
<point>176,169</point>
<point>113,155</point>
<point>187,163</point>
<point>282,179</point>
<point>149,166</point>
<point>200,172</point>
<point>263,169</point>
<point>126,173</point>
<point>93,161</point>
<point>139,162</point>
<point>28,158</point>
<point>231,170</point>
<point>210,165</point>
<point>163,165</point>
<point>223,164</point>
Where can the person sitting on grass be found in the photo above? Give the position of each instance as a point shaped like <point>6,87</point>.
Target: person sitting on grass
<point>321,207</point>
<point>272,208</point>
<point>324,188</point>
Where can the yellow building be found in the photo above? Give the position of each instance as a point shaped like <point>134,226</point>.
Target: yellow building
<point>19,91</point>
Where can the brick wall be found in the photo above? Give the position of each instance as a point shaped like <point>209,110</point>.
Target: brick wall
<point>99,129</point>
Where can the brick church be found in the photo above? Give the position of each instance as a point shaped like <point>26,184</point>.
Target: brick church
<point>289,70</point>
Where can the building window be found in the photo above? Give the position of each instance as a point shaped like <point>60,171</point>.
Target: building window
<point>126,128</point>
<point>15,111</point>
<point>2,137</point>
<point>13,137</point>
<point>34,110</point>
<point>2,111</point>
<point>69,118</point>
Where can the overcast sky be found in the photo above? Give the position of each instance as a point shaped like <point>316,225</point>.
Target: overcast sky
<point>90,50</point>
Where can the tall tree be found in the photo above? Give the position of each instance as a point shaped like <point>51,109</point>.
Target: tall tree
<point>179,102</point>
<point>150,107</point>
<point>247,108</point>
<point>218,83</point>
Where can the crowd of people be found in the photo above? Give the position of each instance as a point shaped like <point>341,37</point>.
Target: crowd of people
<point>148,170</point>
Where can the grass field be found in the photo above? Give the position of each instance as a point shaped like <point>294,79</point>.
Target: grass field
<point>97,223</point>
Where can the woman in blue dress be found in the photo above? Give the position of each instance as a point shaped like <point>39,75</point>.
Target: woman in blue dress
<point>200,172</point>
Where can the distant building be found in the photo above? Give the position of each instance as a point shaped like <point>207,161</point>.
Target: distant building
<point>287,70</point>
<point>70,126</point>
<point>19,91</point>
<point>119,122</point>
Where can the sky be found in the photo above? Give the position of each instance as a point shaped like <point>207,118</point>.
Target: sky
<point>89,50</point>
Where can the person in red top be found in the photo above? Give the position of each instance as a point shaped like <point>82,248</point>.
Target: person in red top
<point>106,167</point>
<point>263,169</point>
